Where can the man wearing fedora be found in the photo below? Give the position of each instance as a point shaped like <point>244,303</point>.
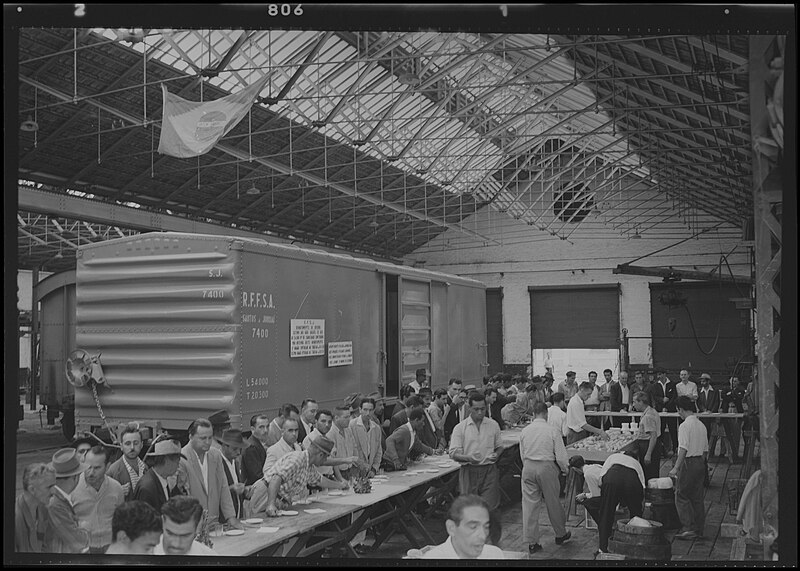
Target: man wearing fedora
<point>206,475</point>
<point>288,480</point>
<point>163,461</point>
<point>65,535</point>
<point>231,444</point>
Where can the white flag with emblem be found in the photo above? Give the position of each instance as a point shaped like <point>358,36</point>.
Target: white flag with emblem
<point>191,128</point>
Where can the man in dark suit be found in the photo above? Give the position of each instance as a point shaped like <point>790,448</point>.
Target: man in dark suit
<point>163,461</point>
<point>308,418</point>
<point>404,443</point>
<point>457,396</point>
<point>231,444</point>
<point>662,398</point>
<point>256,452</point>
<point>401,417</point>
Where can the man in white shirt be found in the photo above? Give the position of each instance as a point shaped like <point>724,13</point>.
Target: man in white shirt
<point>621,482</point>
<point>686,387</point>
<point>689,471</point>
<point>179,519</point>
<point>95,498</point>
<point>467,529</point>
<point>543,455</point>
<point>557,414</point>
<point>287,443</point>
<point>577,427</point>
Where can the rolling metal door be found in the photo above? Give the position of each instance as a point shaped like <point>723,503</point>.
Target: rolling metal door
<point>415,328</point>
<point>494,330</point>
<point>575,317</point>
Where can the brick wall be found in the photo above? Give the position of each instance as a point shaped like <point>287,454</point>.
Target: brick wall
<point>526,256</point>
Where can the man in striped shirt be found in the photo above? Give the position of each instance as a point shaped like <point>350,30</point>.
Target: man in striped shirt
<point>129,467</point>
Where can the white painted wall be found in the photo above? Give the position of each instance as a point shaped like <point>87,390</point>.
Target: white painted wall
<point>528,256</point>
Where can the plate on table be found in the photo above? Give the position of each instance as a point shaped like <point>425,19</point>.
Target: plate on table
<point>287,512</point>
<point>336,493</point>
<point>414,473</point>
<point>302,502</point>
<point>235,532</point>
<point>254,521</point>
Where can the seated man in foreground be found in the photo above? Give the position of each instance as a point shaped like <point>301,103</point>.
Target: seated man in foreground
<point>179,519</point>
<point>468,529</point>
<point>135,529</point>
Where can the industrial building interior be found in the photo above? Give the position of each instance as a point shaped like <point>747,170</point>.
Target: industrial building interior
<point>585,156</point>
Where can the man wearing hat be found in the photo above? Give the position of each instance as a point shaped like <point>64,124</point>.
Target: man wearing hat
<point>288,480</point>
<point>65,536</point>
<point>206,475</point>
<point>163,462</point>
<point>220,421</point>
<point>231,445</point>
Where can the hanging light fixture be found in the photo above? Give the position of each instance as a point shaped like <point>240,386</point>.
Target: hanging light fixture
<point>29,125</point>
<point>253,189</point>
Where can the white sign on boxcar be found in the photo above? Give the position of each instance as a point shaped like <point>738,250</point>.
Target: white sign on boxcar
<point>307,337</point>
<point>340,353</point>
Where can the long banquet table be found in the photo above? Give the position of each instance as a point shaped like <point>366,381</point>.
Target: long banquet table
<point>343,516</point>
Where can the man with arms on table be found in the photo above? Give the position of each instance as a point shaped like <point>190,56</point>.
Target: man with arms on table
<point>467,529</point>
<point>135,529</point>
<point>576,426</point>
<point>288,480</point>
<point>686,387</point>
<point>179,519</point>
<point>689,471</point>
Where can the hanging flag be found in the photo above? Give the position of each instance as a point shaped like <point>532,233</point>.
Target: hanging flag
<point>191,128</point>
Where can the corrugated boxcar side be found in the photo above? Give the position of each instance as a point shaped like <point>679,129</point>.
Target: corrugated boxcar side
<point>160,309</point>
<point>282,284</point>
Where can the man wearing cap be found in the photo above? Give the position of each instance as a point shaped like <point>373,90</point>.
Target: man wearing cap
<point>64,534</point>
<point>568,386</point>
<point>231,444</point>
<point>206,475</point>
<point>31,520</point>
<point>253,456</point>
<point>163,462</point>
<point>129,468</point>
<point>95,498</point>
<point>288,480</point>
<point>220,421</point>
<point>179,519</point>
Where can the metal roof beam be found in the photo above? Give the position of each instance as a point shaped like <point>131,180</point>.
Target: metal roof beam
<point>301,69</point>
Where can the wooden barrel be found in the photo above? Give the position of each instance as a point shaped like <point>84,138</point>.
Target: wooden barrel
<point>663,508</point>
<point>646,543</point>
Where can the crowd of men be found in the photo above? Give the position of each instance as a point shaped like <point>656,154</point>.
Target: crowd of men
<point>85,501</point>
